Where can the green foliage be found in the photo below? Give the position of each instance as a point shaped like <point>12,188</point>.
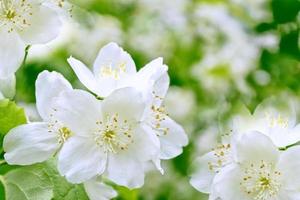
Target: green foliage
<point>38,182</point>
<point>63,190</point>
<point>126,194</point>
<point>11,116</point>
<point>28,183</point>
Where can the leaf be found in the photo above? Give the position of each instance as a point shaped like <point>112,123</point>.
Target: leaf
<point>62,189</point>
<point>11,116</point>
<point>126,194</point>
<point>28,183</point>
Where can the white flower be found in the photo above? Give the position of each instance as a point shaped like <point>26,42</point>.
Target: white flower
<point>36,142</point>
<point>210,164</point>
<point>261,171</point>
<point>96,190</point>
<point>23,22</point>
<point>109,137</point>
<point>113,69</point>
<point>277,122</point>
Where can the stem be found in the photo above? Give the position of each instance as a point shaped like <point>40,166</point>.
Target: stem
<point>2,162</point>
<point>26,55</point>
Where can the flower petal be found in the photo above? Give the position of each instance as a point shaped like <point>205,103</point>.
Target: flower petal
<point>48,86</point>
<point>174,139</point>
<point>226,184</point>
<point>12,52</point>
<point>289,166</point>
<point>80,159</point>
<point>127,102</point>
<point>111,55</point>
<point>125,171</point>
<point>85,76</point>
<point>96,190</point>
<point>8,86</point>
<point>30,143</point>
<point>78,110</point>
<point>252,147</point>
<point>145,146</point>
<point>202,179</point>
<point>44,26</point>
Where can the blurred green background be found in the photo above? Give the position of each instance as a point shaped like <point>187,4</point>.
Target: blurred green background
<point>219,53</point>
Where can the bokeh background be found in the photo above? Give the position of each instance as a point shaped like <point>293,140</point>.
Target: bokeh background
<point>220,54</point>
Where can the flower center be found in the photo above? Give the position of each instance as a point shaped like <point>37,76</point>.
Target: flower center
<point>55,126</point>
<point>10,14</point>
<point>261,181</point>
<point>114,134</point>
<point>277,121</point>
<point>64,134</point>
<point>14,14</point>
<point>111,71</point>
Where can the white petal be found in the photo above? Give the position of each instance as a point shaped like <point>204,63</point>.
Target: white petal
<point>8,86</point>
<point>283,137</point>
<point>114,56</point>
<point>48,86</point>
<point>226,184</point>
<point>157,164</point>
<point>127,102</point>
<point>252,147</point>
<point>125,171</point>
<point>173,141</point>
<point>153,70</point>
<point>145,144</point>
<point>202,179</point>
<point>85,76</point>
<point>289,166</point>
<point>153,81</point>
<point>78,110</point>
<point>96,190</point>
<point>30,143</point>
<point>44,26</point>
<point>80,159</point>
<point>12,52</point>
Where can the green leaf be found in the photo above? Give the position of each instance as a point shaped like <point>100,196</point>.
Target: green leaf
<point>126,194</point>
<point>63,190</point>
<point>28,183</point>
<point>10,116</point>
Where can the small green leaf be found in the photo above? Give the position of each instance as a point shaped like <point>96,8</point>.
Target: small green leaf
<point>126,194</point>
<point>28,183</point>
<point>63,190</point>
<point>10,116</point>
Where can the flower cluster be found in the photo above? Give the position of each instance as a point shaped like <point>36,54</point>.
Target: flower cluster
<point>114,131</point>
<point>258,160</point>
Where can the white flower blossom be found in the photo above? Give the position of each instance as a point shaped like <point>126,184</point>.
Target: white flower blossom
<point>109,137</point>
<point>277,122</point>
<point>113,69</point>
<point>38,141</point>
<point>260,171</point>
<point>23,22</point>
